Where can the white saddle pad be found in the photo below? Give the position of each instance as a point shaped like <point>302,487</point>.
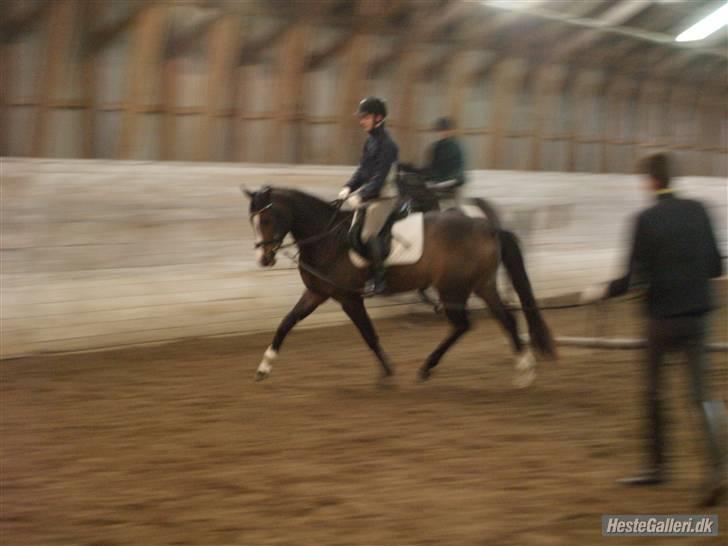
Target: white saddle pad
<point>473,211</point>
<point>407,243</point>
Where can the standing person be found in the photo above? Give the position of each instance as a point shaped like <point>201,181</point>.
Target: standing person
<point>444,172</point>
<point>674,255</point>
<point>371,190</point>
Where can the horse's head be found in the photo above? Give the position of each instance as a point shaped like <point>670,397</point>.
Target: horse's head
<point>271,223</point>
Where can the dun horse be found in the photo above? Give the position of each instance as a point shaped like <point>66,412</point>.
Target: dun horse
<point>460,257</point>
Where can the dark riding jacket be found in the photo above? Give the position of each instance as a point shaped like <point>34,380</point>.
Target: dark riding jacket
<point>674,254</point>
<point>378,161</point>
<point>447,162</point>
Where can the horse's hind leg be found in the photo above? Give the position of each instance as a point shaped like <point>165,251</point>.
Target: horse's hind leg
<point>355,310</point>
<point>306,305</point>
<point>502,314</point>
<point>525,364</point>
<point>457,313</point>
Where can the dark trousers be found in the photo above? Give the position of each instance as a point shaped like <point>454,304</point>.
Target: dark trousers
<point>688,335</point>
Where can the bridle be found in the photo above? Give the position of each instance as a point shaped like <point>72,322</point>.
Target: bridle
<point>278,240</point>
<point>329,230</point>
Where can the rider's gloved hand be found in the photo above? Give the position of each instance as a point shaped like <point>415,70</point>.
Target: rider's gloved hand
<point>344,193</point>
<point>355,201</point>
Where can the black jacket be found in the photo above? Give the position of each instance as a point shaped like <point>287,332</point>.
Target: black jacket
<point>674,255</point>
<point>446,162</point>
<point>379,155</point>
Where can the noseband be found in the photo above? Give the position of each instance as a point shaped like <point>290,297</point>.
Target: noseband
<point>278,241</point>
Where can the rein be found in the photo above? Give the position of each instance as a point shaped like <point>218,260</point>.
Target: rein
<point>329,230</point>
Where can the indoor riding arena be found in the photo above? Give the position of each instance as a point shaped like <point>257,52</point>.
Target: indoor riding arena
<point>137,308</point>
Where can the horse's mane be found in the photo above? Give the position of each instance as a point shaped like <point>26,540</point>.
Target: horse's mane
<point>308,201</point>
<point>304,198</point>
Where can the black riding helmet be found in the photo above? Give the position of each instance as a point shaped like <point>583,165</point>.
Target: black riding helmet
<point>372,105</point>
<point>444,124</point>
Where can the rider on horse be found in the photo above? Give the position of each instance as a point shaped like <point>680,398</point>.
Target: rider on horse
<point>372,191</point>
<point>444,173</point>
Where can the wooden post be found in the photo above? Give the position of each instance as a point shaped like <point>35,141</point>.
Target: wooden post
<point>508,78</point>
<point>6,73</point>
<point>645,95</point>
<point>91,11</point>
<point>59,30</point>
<point>169,103</point>
<point>292,57</point>
<point>460,80</point>
<point>546,83</point>
<point>223,53</point>
<point>676,98</point>
<point>631,91</point>
<point>582,115</point>
<point>610,129</point>
<point>351,82</point>
<point>407,74</point>
<point>144,60</point>
<point>237,91</point>
<point>702,134</point>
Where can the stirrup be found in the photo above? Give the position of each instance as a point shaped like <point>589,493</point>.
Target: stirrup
<point>372,288</point>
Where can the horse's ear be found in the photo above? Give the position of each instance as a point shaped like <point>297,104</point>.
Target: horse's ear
<point>265,195</point>
<point>246,192</point>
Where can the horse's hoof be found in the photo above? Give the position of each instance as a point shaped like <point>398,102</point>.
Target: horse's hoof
<point>424,374</point>
<point>524,379</point>
<point>386,381</point>
<point>260,376</point>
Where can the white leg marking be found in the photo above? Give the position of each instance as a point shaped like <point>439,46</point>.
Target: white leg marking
<point>525,369</point>
<point>266,366</point>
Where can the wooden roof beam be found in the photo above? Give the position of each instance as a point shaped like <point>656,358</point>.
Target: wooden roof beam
<point>249,53</point>
<point>98,39</point>
<point>421,29</point>
<point>617,14</point>
<point>475,36</point>
<point>367,20</point>
<point>182,41</point>
<point>599,26</point>
<point>12,28</point>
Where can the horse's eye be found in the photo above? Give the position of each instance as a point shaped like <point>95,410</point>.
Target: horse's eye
<point>264,222</point>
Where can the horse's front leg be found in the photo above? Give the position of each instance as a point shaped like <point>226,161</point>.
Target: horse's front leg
<point>306,305</point>
<point>355,310</point>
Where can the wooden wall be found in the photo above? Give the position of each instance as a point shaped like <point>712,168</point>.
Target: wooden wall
<point>163,81</point>
<point>97,254</point>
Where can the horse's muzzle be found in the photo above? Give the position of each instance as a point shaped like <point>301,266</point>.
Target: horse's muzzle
<point>268,259</point>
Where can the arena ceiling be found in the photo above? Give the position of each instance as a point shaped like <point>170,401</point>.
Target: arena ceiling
<point>636,36</point>
<point>627,36</point>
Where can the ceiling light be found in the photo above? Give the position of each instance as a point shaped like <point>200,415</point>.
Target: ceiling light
<point>705,27</point>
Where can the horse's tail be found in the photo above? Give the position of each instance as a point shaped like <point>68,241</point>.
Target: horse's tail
<point>491,213</point>
<point>539,331</point>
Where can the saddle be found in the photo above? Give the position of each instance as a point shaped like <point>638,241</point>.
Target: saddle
<point>402,236</point>
<point>412,187</point>
<point>399,212</point>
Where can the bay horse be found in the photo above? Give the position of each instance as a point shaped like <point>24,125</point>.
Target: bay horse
<point>460,256</point>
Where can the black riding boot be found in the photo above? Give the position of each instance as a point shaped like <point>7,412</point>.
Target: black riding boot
<point>377,284</point>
